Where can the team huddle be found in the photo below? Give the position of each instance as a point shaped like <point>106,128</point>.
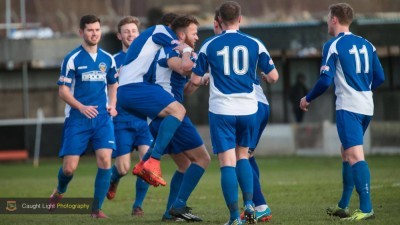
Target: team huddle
<point>134,101</point>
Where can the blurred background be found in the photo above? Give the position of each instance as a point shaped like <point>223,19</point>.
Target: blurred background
<point>36,35</point>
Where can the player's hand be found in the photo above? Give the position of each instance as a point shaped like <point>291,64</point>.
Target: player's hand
<point>304,104</point>
<point>181,47</point>
<point>89,111</point>
<point>112,111</point>
<point>205,80</point>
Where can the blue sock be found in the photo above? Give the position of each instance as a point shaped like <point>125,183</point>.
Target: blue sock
<point>258,197</point>
<point>254,165</point>
<point>165,133</point>
<point>362,179</point>
<point>175,185</point>
<point>348,185</point>
<point>189,182</point>
<point>243,170</point>
<point>63,181</point>
<point>115,176</point>
<point>101,185</point>
<point>141,190</point>
<point>229,184</point>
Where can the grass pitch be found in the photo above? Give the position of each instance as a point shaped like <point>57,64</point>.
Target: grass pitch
<point>298,190</point>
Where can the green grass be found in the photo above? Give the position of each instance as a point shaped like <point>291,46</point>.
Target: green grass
<point>298,189</point>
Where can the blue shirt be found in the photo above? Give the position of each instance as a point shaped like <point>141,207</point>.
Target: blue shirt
<point>350,62</point>
<point>232,59</point>
<point>87,76</point>
<point>141,53</point>
<point>171,81</point>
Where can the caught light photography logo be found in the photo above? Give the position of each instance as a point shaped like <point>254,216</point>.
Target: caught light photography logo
<point>43,206</point>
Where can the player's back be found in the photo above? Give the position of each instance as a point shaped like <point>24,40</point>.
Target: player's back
<point>355,63</point>
<point>141,53</point>
<point>233,58</point>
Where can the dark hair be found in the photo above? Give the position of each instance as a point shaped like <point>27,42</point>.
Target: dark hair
<point>128,20</point>
<point>342,11</point>
<point>229,12</point>
<point>216,18</point>
<point>183,22</point>
<point>167,18</point>
<point>88,19</point>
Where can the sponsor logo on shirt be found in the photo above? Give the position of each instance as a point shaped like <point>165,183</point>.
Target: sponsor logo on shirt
<point>94,76</point>
<point>82,67</point>
<point>102,67</point>
<point>65,79</point>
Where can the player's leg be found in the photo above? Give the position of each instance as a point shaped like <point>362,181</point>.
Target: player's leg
<point>124,139</point>
<point>75,139</point>
<point>141,185</point>
<point>245,135</point>
<point>153,101</point>
<point>223,138</point>
<point>65,174</point>
<point>119,169</point>
<point>102,181</point>
<point>342,208</point>
<point>263,212</point>
<point>351,128</point>
<point>182,163</point>
<point>200,160</point>
<point>103,142</point>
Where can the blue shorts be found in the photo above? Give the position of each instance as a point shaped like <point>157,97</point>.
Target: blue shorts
<point>262,120</point>
<point>185,138</point>
<point>130,135</point>
<point>78,132</point>
<point>229,131</point>
<point>351,127</point>
<point>143,99</point>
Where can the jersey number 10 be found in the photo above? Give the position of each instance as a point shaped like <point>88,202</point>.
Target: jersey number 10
<point>356,52</point>
<point>235,59</point>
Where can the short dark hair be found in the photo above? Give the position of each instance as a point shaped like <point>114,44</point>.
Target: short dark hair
<point>88,19</point>
<point>229,12</point>
<point>127,20</point>
<point>342,11</point>
<point>183,22</point>
<point>167,18</point>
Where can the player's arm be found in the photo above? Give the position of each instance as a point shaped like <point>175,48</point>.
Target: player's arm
<point>193,84</point>
<point>65,94</point>
<point>377,74</point>
<point>112,99</point>
<point>182,65</point>
<point>272,77</point>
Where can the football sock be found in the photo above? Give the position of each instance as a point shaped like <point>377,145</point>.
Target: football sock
<point>258,197</point>
<point>189,182</point>
<point>115,176</point>
<point>243,169</point>
<point>141,190</point>
<point>254,165</point>
<point>348,185</point>
<point>165,133</point>
<point>101,185</point>
<point>362,178</point>
<point>63,181</point>
<point>175,185</point>
<point>229,184</point>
